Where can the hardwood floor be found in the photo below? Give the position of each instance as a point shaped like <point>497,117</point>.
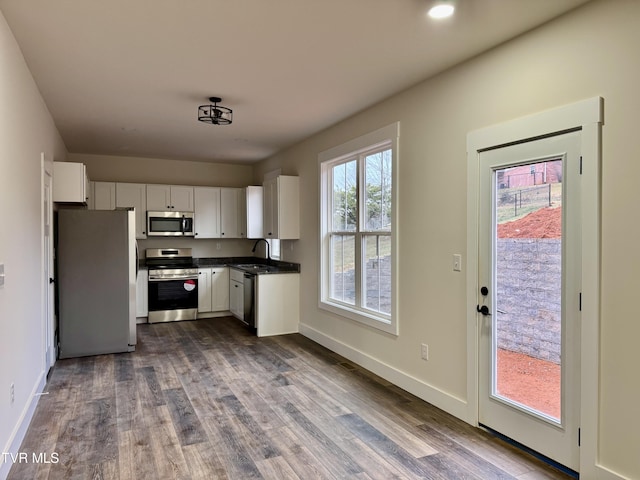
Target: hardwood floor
<point>208,400</point>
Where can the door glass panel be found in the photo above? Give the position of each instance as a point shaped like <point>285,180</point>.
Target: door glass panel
<point>527,338</point>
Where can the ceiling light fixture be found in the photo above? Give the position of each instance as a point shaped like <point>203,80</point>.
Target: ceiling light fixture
<point>441,10</point>
<point>215,114</point>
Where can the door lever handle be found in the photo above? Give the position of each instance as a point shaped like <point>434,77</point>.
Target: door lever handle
<point>484,310</point>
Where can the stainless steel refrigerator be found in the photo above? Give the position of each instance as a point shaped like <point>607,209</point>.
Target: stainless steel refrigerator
<point>96,260</point>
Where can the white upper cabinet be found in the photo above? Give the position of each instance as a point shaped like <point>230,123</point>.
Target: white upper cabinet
<point>207,212</point>
<point>170,197</point>
<point>70,183</point>
<point>230,212</point>
<point>252,212</point>
<point>281,208</point>
<point>134,195</point>
<point>103,196</point>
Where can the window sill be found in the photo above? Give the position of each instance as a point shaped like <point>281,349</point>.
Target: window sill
<point>379,322</point>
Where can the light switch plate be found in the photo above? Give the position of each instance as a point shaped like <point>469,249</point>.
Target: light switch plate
<point>457,262</point>
<point>1,274</point>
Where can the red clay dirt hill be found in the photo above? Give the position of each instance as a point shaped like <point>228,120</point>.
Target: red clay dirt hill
<point>543,223</point>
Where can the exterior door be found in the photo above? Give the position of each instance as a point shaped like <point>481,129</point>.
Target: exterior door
<point>529,298</point>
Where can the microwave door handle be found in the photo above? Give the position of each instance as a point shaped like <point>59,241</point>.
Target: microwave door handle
<point>183,224</point>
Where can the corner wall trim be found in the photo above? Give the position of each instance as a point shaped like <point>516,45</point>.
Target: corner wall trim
<point>443,400</point>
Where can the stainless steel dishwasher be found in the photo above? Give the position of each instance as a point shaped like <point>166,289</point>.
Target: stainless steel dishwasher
<point>250,283</point>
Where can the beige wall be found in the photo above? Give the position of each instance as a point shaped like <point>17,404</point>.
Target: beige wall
<point>108,168</point>
<point>26,130</point>
<point>590,52</point>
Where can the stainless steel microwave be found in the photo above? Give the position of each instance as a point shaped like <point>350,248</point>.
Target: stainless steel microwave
<point>173,224</point>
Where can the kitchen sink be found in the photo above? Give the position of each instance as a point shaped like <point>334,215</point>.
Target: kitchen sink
<point>255,267</point>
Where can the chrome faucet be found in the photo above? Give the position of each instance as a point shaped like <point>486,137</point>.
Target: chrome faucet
<point>266,243</point>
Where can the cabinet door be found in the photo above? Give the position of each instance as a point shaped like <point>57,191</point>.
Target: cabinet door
<point>70,183</point>
<point>204,290</point>
<point>287,206</point>
<point>134,195</point>
<point>158,198</point>
<point>142,294</point>
<point>229,212</point>
<point>270,208</point>
<point>104,195</point>
<point>219,289</point>
<point>254,212</point>
<point>242,213</point>
<point>236,299</point>
<point>207,212</point>
<point>181,198</point>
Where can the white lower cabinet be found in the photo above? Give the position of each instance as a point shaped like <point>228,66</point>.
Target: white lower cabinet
<point>213,290</point>
<point>236,293</point>
<point>277,304</point>
<point>142,295</point>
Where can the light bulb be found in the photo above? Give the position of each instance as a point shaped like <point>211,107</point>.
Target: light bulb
<point>441,10</point>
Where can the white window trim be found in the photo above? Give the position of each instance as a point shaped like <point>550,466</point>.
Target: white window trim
<point>384,135</point>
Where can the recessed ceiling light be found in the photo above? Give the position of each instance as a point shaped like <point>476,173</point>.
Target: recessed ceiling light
<point>441,10</point>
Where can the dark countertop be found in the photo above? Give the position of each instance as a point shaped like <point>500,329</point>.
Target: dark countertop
<point>270,266</point>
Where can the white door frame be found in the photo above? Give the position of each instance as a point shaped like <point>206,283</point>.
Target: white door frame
<point>48,303</point>
<point>587,115</point>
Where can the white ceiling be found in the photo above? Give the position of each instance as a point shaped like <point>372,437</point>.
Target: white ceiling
<point>125,77</point>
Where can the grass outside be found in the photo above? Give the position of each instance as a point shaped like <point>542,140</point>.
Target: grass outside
<point>345,256</point>
<point>515,203</point>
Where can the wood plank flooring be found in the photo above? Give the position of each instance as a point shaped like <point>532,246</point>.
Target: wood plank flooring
<point>208,400</point>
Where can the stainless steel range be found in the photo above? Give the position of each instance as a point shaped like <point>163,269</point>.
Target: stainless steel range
<point>173,284</point>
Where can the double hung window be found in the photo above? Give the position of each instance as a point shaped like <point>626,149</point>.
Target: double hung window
<point>357,215</point>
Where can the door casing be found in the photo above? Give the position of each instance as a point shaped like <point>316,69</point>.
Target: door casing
<point>586,115</point>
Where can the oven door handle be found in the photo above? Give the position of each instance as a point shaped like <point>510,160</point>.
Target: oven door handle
<point>173,279</point>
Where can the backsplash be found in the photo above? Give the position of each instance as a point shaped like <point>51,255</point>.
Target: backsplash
<point>203,248</point>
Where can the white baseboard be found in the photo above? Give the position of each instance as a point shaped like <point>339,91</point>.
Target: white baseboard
<point>20,430</point>
<point>443,400</point>
<point>602,473</point>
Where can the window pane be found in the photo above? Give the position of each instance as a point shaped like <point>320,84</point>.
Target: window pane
<point>343,276</point>
<point>377,273</point>
<point>377,191</point>
<point>344,201</point>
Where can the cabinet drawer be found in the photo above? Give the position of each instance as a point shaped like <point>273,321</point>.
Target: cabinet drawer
<point>236,275</point>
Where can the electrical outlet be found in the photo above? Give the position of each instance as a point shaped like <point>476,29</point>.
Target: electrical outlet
<point>218,245</point>
<point>12,393</point>
<point>424,351</point>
